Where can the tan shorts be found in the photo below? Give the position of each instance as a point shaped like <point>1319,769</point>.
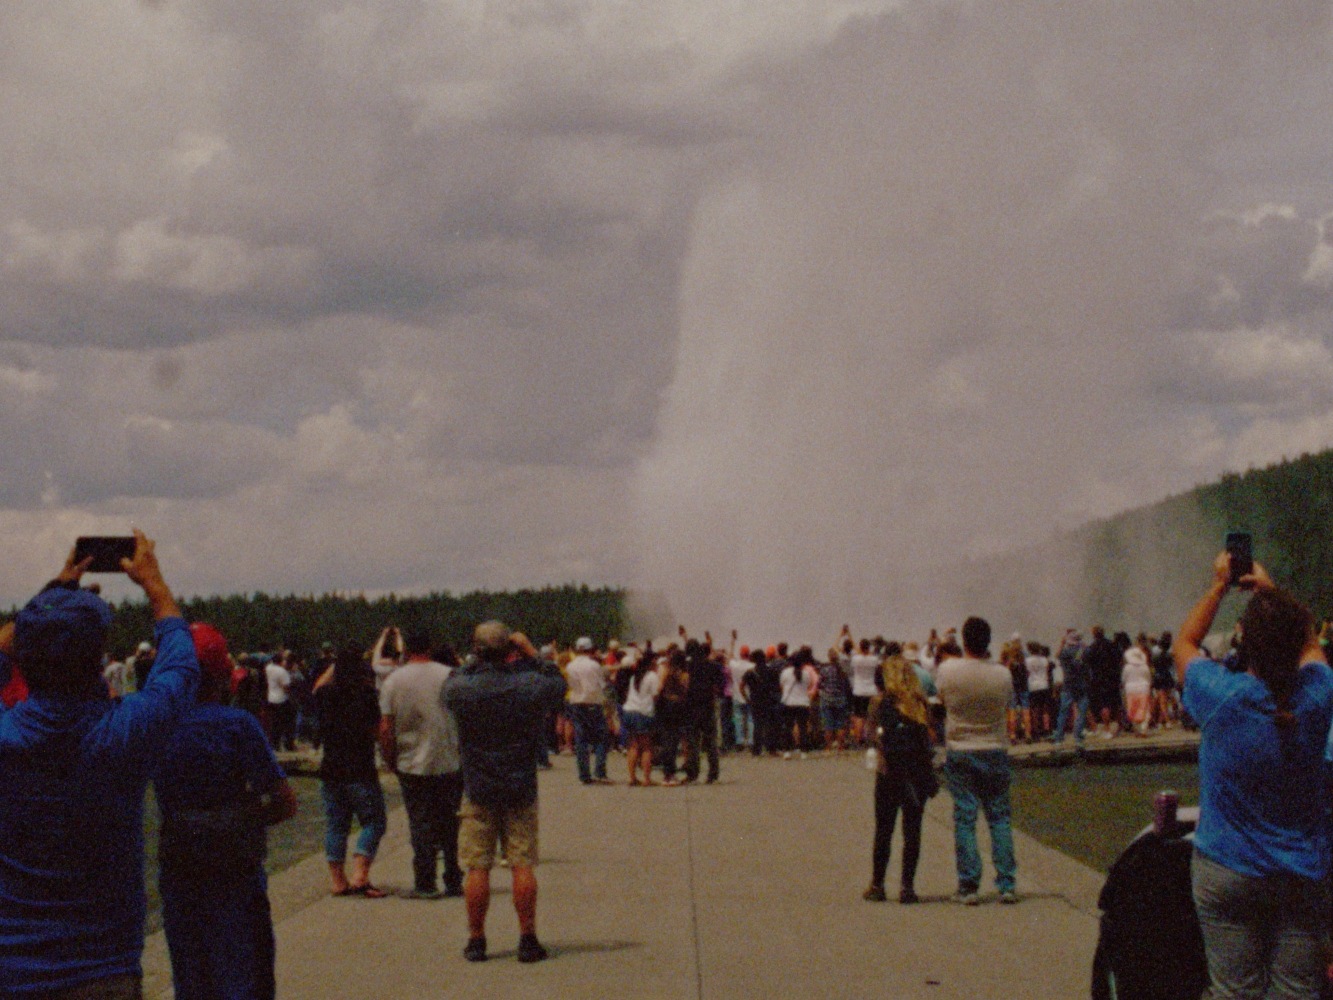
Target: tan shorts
<point>480,829</point>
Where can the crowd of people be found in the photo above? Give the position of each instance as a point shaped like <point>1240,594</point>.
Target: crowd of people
<point>466,736</point>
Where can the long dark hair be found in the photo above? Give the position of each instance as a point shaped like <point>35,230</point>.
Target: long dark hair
<point>1275,629</point>
<point>350,668</point>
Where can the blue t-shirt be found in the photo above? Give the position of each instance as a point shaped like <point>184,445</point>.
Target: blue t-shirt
<point>1262,795</point>
<point>72,779</point>
<point>216,755</point>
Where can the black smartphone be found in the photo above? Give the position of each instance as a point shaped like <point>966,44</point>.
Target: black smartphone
<point>1241,549</point>
<point>107,551</point>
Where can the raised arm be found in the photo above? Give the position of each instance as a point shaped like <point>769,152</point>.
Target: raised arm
<point>1189,639</point>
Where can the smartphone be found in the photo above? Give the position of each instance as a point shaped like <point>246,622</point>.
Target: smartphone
<point>107,551</point>
<point>1241,549</point>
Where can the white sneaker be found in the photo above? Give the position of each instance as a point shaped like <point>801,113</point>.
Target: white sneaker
<point>967,898</point>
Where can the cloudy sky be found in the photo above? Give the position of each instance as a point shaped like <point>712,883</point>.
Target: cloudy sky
<point>752,304</point>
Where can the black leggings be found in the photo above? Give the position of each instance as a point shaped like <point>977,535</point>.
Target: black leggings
<point>891,795</point>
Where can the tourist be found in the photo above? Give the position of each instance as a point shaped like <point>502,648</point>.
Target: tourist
<point>281,704</point>
<point>1261,847</point>
<point>1103,662</point>
<point>742,719</point>
<point>387,653</point>
<point>704,688</point>
<point>349,718</point>
<point>671,715</point>
<point>500,702</point>
<point>904,778</point>
<point>1136,683</point>
<point>1073,669</point>
<point>976,693</point>
<point>1040,706</point>
<point>586,708</point>
<point>638,716</point>
<point>219,787</point>
<point>835,702</point>
<point>418,740</point>
<point>798,682</point>
<point>863,665</point>
<point>764,693</point>
<point>1166,699</point>
<point>74,768</point>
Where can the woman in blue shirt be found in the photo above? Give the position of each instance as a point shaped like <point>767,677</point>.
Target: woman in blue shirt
<point>1261,849</point>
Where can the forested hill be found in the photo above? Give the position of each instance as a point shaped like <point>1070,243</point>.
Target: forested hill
<point>304,622</point>
<point>1143,569</point>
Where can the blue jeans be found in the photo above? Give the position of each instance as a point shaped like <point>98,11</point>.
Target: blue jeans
<point>220,937</point>
<point>1263,936</point>
<point>589,733</point>
<point>344,800</point>
<point>1079,701</point>
<point>742,723</point>
<point>980,781</point>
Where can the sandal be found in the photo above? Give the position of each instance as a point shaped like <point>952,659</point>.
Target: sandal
<point>367,890</point>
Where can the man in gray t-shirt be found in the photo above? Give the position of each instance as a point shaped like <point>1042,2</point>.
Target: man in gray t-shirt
<point>975,692</point>
<point>419,741</point>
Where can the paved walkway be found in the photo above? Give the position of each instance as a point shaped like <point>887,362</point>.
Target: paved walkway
<point>747,888</point>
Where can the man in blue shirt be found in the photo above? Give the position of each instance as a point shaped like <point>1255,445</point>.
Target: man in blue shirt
<point>74,765</point>
<point>500,702</point>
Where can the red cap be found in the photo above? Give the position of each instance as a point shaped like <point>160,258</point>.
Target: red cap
<point>211,648</point>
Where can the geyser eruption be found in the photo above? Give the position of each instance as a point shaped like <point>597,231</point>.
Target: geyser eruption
<point>962,287</point>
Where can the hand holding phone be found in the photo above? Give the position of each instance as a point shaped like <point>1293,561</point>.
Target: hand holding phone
<point>1240,547</point>
<point>106,552</point>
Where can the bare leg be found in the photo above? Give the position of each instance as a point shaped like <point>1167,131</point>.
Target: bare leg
<point>477,893</point>
<point>525,899</point>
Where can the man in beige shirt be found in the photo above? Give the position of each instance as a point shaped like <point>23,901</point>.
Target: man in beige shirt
<point>976,692</point>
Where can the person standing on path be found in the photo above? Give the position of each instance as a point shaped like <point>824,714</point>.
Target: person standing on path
<point>1261,847</point>
<point>74,767</point>
<point>350,783</point>
<point>975,692</point>
<point>501,702</point>
<point>587,711</point>
<point>419,742</point>
<point>219,787</point>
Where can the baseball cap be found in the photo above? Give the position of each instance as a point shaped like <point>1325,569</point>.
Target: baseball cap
<point>211,648</point>
<point>62,626</point>
<point>583,644</point>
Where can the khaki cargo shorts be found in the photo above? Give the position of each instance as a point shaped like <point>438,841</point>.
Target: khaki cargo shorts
<point>480,829</point>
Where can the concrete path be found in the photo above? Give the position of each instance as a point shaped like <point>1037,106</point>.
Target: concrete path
<point>750,888</point>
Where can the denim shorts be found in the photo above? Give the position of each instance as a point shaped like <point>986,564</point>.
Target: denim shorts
<point>637,724</point>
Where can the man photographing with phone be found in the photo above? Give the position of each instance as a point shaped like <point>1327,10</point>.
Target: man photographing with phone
<point>74,766</point>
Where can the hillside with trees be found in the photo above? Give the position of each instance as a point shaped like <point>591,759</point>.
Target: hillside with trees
<point>1143,569</point>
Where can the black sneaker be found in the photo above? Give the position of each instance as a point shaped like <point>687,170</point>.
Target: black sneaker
<point>530,949</point>
<point>475,950</point>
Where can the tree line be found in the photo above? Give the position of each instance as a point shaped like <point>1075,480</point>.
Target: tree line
<point>302,623</point>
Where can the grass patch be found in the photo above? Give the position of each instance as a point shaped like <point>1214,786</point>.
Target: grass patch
<point>288,843</point>
<point>1091,811</point>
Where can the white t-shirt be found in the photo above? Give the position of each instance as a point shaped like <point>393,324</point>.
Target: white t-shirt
<point>640,698</point>
<point>1136,677</point>
<point>864,668</point>
<point>795,688</point>
<point>279,680</point>
<point>587,679</point>
<point>738,669</point>
<point>1038,673</point>
<point>424,730</point>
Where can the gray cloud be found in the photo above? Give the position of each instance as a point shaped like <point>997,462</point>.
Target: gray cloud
<point>398,295</point>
